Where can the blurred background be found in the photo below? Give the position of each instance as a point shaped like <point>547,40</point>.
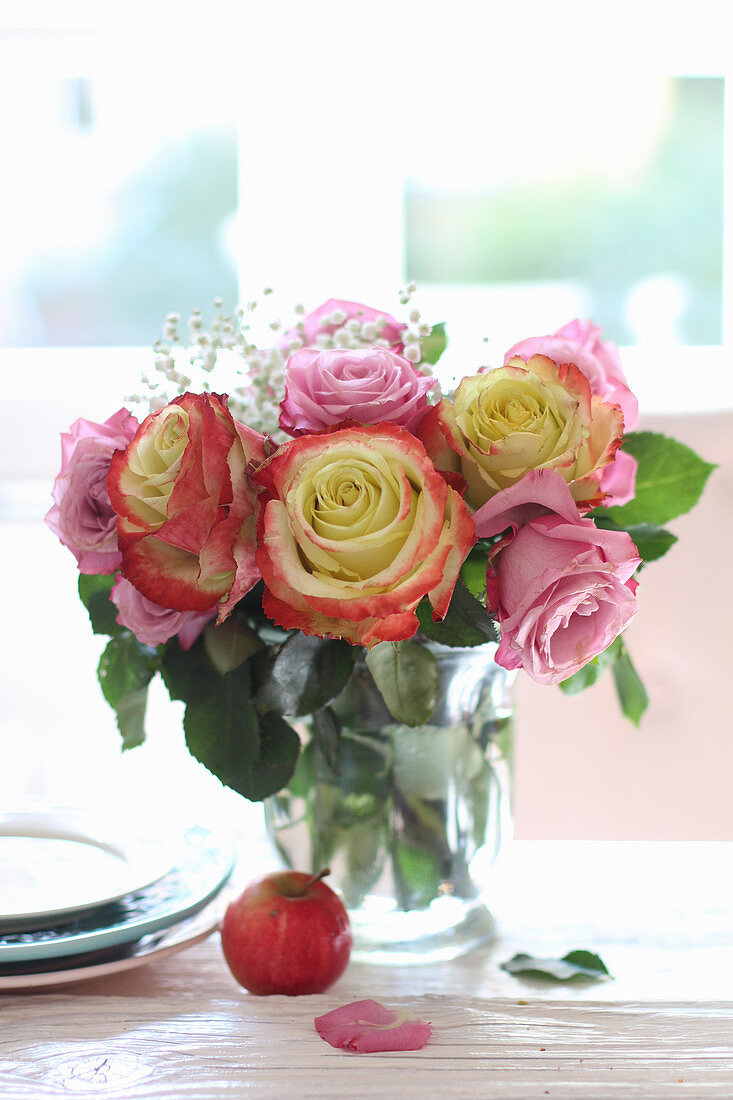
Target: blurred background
<point>521,170</point>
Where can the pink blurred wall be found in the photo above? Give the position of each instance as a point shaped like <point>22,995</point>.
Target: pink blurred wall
<point>582,771</point>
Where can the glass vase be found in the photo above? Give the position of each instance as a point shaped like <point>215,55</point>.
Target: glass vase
<point>409,819</point>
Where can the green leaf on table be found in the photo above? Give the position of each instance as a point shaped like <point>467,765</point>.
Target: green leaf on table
<point>94,593</point>
<point>467,622</point>
<point>406,674</point>
<point>651,541</point>
<point>253,755</point>
<point>669,480</point>
<point>305,674</point>
<point>576,964</point>
<point>629,687</point>
<point>230,643</point>
<point>125,669</point>
<point>435,344</point>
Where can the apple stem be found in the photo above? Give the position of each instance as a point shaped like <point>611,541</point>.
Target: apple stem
<point>314,878</point>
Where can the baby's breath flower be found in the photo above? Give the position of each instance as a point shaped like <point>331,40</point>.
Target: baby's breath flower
<point>254,376</point>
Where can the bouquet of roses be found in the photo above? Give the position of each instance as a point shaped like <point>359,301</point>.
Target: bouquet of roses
<point>247,546</point>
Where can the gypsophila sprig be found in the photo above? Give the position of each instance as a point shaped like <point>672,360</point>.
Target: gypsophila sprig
<point>236,354</point>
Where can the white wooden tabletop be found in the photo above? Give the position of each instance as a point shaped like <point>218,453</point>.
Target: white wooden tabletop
<point>659,915</point>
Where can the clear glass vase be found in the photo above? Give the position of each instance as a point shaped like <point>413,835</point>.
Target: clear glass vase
<point>409,819</point>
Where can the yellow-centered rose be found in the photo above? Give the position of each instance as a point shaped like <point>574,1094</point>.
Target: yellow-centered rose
<point>355,527</point>
<point>524,416</point>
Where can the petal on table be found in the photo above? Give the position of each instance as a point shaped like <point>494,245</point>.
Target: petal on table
<point>368,1027</point>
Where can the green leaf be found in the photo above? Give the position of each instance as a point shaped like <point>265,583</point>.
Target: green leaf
<point>419,872</point>
<point>327,736</point>
<point>590,674</point>
<point>435,344</point>
<point>130,714</point>
<point>188,675</point>
<point>669,480</point>
<point>125,669</point>
<point>576,964</point>
<point>94,593</point>
<point>467,622</point>
<point>231,643</point>
<point>253,756</point>
<point>406,674</point>
<point>630,690</point>
<point>473,570</point>
<point>305,674</point>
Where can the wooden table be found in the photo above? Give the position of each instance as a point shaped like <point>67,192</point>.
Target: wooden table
<point>659,914</point>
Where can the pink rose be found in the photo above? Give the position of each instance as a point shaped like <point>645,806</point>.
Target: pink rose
<point>561,588</point>
<point>319,323</point>
<point>186,507</point>
<point>578,342</point>
<point>369,385</point>
<point>153,624</point>
<point>82,517</point>
<point>355,527</point>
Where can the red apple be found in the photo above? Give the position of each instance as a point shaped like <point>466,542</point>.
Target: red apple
<point>288,933</point>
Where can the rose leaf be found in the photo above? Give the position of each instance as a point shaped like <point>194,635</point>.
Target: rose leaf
<point>467,622</point>
<point>125,669</point>
<point>406,674</point>
<point>251,755</point>
<point>305,674</point>
<point>189,675</point>
<point>435,344</point>
<point>629,687</point>
<point>94,593</point>
<point>669,480</point>
<point>576,964</point>
<point>230,643</point>
<point>327,736</point>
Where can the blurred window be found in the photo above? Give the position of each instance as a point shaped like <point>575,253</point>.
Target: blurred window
<point>119,189</point>
<point>606,199</point>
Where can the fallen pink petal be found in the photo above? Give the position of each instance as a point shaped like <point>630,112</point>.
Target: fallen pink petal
<point>368,1027</point>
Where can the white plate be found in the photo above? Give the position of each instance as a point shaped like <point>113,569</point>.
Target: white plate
<point>54,863</point>
<point>149,949</point>
<point>203,866</point>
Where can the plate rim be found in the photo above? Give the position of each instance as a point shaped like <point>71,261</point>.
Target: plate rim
<point>87,827</point>
<point>128,932</point>
<point>168,942</point>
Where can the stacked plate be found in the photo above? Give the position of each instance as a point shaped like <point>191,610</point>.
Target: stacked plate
<point>81,896</point>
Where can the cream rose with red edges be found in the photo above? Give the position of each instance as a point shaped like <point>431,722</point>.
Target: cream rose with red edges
<point>524,416</point>
<point>186,507</point>
<point>356,526</point>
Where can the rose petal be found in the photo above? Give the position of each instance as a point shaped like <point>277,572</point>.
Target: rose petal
<point>618,482</point>
<point>367,1027</point>
<point>539,492</point>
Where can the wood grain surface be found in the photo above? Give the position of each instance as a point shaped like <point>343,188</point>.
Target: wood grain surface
<point>183,1028</point>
